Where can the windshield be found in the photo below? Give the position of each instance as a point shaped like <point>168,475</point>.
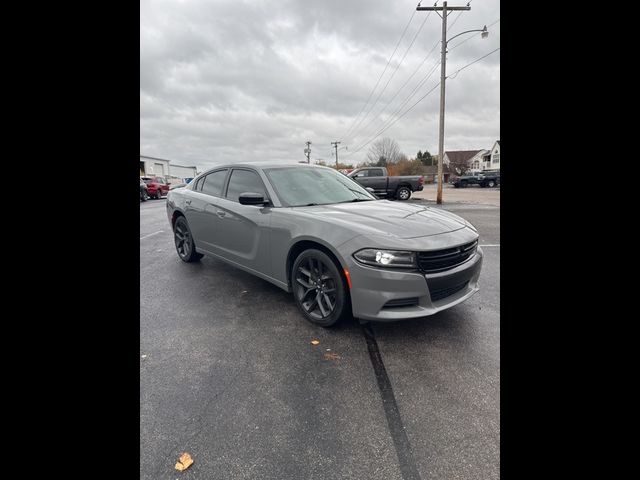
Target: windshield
<point>302,186</point>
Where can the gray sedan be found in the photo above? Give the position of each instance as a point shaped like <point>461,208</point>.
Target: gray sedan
<point>315,232</point>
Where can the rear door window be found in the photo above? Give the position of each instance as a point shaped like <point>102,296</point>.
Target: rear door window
<point>214,182</point>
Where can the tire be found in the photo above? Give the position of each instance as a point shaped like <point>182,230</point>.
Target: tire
<point>403,193</point>
<point>158,194</point>
<point>491,184</point>
<point>183,240</point>
<point>143,196</point>
<point>463,184</point>
<point>314,272</point>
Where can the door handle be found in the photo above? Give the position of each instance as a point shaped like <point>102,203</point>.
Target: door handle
<point>220,213</point>
<point>188,202</point>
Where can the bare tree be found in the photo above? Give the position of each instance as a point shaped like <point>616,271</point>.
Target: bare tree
<point>459,165</point>
<point>383,152</point>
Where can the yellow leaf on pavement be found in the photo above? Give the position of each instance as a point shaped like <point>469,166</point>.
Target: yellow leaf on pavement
<point>184,462</point>
<point>315,342</point>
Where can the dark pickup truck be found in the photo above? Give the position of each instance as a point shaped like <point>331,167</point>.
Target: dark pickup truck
<point>484,179</point>
<point>377,178</point>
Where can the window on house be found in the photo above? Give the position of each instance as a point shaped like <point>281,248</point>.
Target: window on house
<point>496,158</point>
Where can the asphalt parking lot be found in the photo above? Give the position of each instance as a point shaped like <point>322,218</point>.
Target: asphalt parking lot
<point>228,374</point>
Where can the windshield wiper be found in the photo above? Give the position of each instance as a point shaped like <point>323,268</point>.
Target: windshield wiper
<point>358,200</point>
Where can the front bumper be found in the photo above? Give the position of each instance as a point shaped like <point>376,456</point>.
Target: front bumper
<point>372,289</point>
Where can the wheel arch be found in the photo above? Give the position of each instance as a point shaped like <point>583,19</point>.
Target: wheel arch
<point>303,244</point>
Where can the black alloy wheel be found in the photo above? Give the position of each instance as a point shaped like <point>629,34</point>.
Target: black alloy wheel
<point>318,288</point>
<point>184,241</point>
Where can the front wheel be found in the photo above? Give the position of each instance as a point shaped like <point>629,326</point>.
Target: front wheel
<point>491,184</point>
<point>403,193</point>
<point>318,288</point>
<point>184,241</point>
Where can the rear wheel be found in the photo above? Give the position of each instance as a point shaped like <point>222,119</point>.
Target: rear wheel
<point>184,241</point>
<point>318,288</point>
<point>403,193</point>
<point>491,184</point>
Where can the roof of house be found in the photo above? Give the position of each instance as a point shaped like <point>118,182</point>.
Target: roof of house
<point>460,156</point>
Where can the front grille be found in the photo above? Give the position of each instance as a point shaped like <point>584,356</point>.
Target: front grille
<point>446,292</point>
<point>440,260</point>
<point>402,302</point>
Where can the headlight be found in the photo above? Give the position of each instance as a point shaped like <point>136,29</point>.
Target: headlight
<point>386,258</point>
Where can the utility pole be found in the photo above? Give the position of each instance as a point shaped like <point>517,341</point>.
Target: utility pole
<point>307,150</point>
<point>335,144</point>
<point>443,70</point>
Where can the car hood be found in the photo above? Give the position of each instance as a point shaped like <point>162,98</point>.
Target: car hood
<point>401,220</point>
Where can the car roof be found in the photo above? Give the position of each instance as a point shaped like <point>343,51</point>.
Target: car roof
<point>263,165</point>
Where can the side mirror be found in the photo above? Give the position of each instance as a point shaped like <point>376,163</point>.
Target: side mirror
<point>370,190</point>
<point>250,198</point>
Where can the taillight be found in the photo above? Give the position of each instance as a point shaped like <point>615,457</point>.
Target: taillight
<point>421,181</point>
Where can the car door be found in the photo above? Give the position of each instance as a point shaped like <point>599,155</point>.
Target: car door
<point>201,208</point>
<point>377,181</point>
<point>363,178</point>
<point>246,227</point>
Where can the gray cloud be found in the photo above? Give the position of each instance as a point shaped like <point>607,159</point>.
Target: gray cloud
<point>231,81</point>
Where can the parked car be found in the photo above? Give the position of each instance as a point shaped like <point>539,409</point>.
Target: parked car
<point>144,195</point>
<point>399,187</point>
<point>157,186</point>
<point>314,232</point>
<point>484,179</point>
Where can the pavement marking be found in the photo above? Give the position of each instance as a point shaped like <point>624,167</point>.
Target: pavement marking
<point>408,466</point>
<point>489,245</point>
<point>151,234</point>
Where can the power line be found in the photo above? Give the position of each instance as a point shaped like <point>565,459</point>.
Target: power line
<point>394,122</point>
<point>416,103</point>
<point>411,94</point>
<point>383,72</point>
<point>391,77</point>
<point>353,134</point>
<point>400,89</point>
<point>455,74</point>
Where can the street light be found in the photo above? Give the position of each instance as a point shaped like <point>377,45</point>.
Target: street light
<point>443,71</point>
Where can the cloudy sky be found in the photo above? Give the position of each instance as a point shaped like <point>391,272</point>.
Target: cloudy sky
<point>231,81</point>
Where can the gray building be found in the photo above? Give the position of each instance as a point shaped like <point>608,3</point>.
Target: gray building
<point>160,166</point>
<point>154,166</point>
<point>180,171</point>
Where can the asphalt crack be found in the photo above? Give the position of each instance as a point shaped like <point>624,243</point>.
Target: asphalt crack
<point>408,467</point>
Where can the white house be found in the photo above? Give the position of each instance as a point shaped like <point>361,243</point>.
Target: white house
<point>459,161</point>
<point>494,163</point>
